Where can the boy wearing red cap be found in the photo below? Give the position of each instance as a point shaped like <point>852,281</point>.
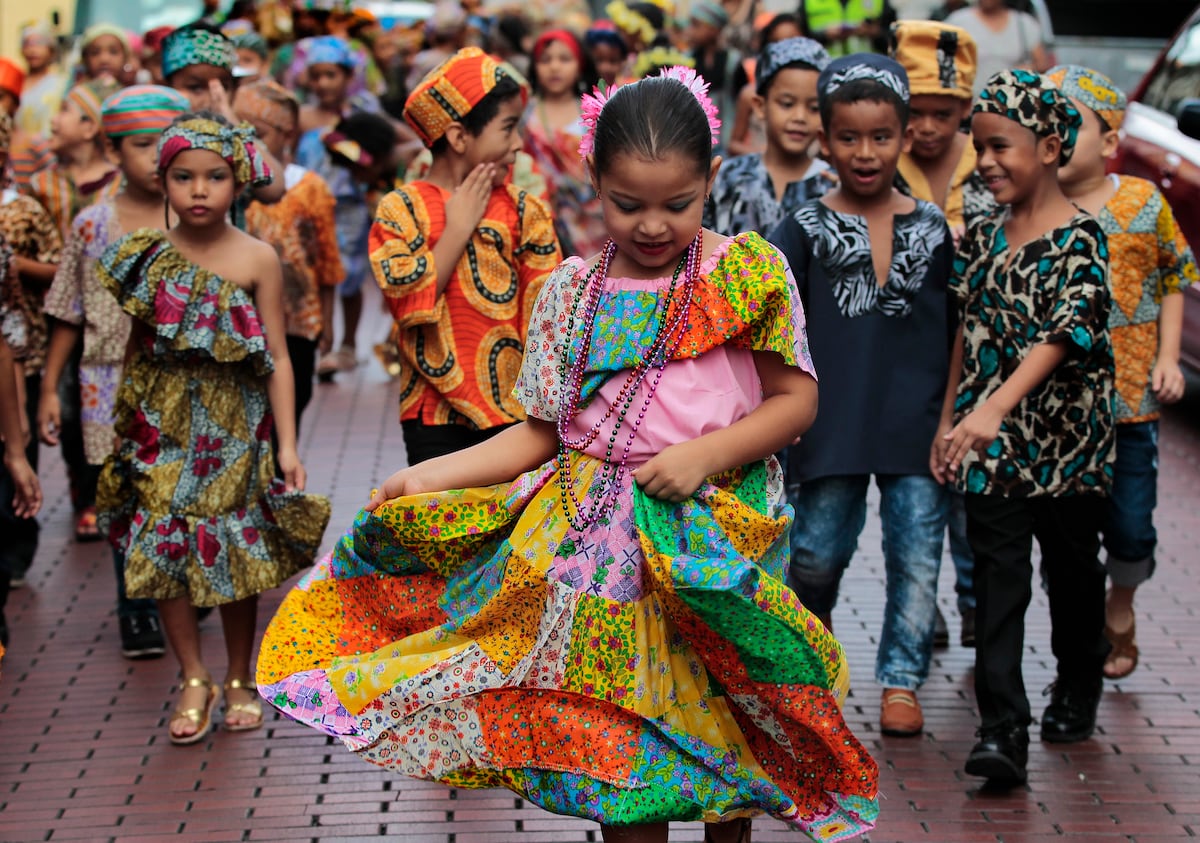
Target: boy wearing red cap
<point>460,257</point>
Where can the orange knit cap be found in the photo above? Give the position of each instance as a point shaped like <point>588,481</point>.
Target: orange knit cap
<point>12,78</point>
<point>449,92</point>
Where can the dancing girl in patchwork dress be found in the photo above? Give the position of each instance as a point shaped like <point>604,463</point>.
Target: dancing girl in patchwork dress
<point>609,635</point>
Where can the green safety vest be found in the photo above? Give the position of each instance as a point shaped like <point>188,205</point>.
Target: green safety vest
<point>827,14</point>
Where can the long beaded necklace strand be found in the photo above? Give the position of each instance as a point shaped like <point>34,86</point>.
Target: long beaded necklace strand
<point>670,330</point>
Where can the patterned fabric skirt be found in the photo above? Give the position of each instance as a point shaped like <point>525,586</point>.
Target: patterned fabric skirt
<point>652,667</point>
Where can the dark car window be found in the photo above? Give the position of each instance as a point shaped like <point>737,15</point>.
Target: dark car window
<point>1178,78</point>
<point>1111,18</point>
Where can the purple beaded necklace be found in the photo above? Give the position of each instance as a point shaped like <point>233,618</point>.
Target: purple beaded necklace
<point>670,331</point>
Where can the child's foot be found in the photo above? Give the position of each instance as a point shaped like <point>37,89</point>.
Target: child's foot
<point>243,709</point>
<point>192,718</point>
<point>1120,628</point>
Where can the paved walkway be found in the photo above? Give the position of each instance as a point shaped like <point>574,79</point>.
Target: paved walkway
<point>84,754</point>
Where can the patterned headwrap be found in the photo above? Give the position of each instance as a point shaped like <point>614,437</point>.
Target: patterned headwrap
<point>449,92</point>
<point>89,96</point>
<point>252,103</point>
<point>1031,100</point>
<point>233,143</point>
<point>329,49</point>
<point>787,53</point>
<point>881,69</point>
<point>710,12</point>
<point>100,30</point>
<point>6,133</point>
<point>12,77</point>
<point>939,58</point>
<point>1093,89</point>
<point>189,45</point>
<point>141,109</point>
<point>251,41</point>
<point>38,33</point>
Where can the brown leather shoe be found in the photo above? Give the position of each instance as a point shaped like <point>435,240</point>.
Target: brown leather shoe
<point>900,714</point>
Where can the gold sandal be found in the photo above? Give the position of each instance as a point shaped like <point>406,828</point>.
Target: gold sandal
<point>201,718</point>
<point>253,708</point>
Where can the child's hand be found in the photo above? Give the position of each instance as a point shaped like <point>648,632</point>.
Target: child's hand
<point>956,233</point>
<point>470,200</point>
<point>974,433</point>
<point>294,477</point>
<point>674,475</point>
<point>27,499</point>
<point>49,418</point>
<point>406,481</point>
<point>937,454</point>
<point>1167,381</point>
<point>218,101</point>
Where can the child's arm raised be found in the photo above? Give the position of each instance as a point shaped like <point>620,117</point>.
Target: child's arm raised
<point>268,298</point>
<point>788,409</point>
<point>502,458</point>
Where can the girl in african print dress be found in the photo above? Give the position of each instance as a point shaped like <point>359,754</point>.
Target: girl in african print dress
<point>190,495</point>
<point>609,635</point>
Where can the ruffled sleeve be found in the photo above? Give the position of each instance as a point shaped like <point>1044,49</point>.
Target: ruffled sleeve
<point>538,384</point>
<point>749,300</point>
<point>190,310</point>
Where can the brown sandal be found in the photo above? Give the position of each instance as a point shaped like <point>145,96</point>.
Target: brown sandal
<point>1124,646</point>
<point>253,708</point>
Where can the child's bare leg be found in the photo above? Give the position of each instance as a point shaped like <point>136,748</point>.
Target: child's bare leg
<point>1119,617</point>
<point>648,833</point>
<point>238,620</point>
<point>178,617</point>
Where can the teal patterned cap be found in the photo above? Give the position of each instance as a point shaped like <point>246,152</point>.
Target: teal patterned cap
<point>1033,101</point>
<point>191,45</point>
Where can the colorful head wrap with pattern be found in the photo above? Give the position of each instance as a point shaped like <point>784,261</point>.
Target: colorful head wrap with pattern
<point>789,52</point>
<point>266,101</point>
<point>1032,101</point>
<point>141,110</point>
<point>251,41</point>
<point>329,49</point>
<point>449,92</point>
<point>12,78</point>
<point>842,71</point>
<point>709,12</point>
<point>38,33</point>
<point>233,143</point>
<point>939,58</point>
<point>89,96</point>
<point>1093,89</point>
<point>191,45</point>
<point>99,31</point>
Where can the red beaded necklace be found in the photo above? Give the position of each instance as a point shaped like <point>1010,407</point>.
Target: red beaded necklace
<point>571,372</point>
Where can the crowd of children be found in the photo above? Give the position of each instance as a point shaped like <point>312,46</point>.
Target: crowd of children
<point>622,523</point>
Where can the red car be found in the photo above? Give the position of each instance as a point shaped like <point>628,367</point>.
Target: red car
<point>1160,141</point>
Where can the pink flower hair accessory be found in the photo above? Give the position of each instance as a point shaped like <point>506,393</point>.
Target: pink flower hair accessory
<point>592,104</point>
<point>589,115</point>
<point>695,83</point>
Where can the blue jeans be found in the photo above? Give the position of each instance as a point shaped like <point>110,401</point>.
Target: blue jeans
<point>960,551</point>
<point>1129,534</point>
<point>830,514</point>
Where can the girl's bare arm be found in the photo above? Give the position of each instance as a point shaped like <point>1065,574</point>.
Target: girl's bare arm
<point>268,298</point>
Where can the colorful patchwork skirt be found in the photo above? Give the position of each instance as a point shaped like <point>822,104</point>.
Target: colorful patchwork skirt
<point>652,667</point>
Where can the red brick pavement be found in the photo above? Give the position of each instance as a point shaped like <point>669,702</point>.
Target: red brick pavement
<point>84,755</point>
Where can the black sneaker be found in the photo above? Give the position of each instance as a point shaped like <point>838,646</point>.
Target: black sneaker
<point>141,637</point>
<point>1001,754</point>
<point>967,637</point>
<point>1071,715</point>
<point>941,633</point>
